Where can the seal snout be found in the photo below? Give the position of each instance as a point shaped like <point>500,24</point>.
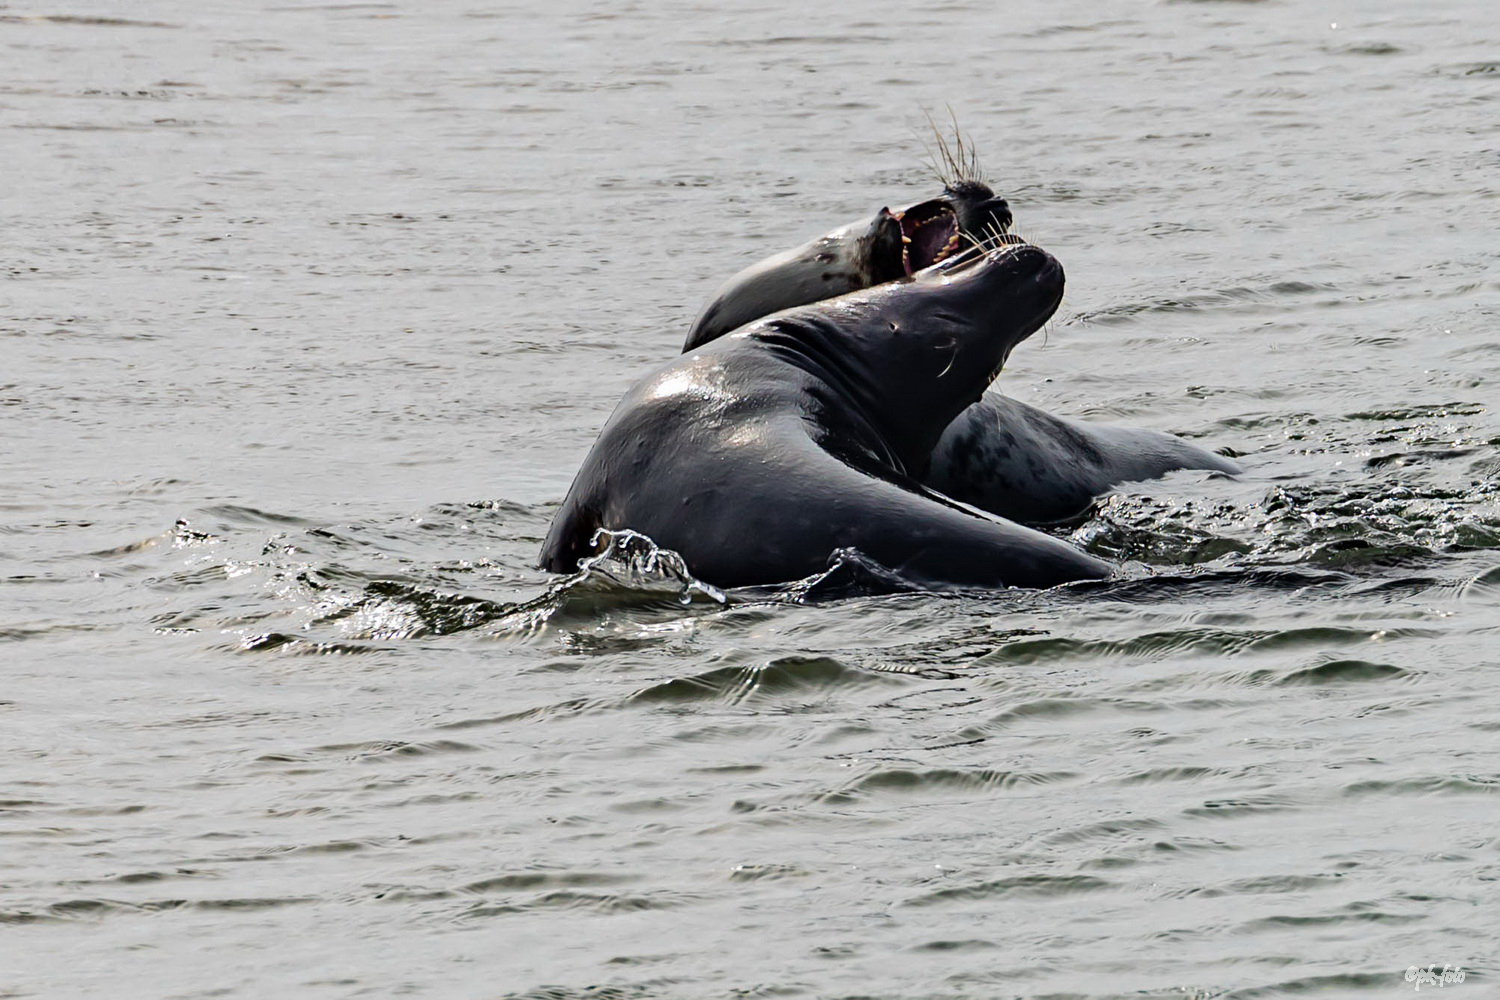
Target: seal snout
<point>1025,260</point>
<point>1018,255</point>
<point>995,249</point>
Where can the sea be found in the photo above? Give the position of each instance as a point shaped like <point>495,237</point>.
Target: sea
<point>309,313</point>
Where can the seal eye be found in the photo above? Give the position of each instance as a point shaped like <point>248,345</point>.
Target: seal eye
<point>894,329</point>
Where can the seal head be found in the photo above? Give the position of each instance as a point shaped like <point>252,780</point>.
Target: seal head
<point>892,245</point>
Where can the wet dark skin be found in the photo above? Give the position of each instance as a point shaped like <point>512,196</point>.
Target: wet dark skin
<point>760,455</point>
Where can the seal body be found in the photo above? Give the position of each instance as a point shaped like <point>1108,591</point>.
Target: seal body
<point>1004,456</point>
<point>1029,465</point>
<point>764,454</point>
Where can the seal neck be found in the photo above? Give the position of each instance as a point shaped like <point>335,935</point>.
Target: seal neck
<point>874,397</point>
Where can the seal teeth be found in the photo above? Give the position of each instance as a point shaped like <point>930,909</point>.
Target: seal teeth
<point>948,249</point>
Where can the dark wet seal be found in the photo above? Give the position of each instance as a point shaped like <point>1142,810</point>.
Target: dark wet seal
<point>762,455</point>
<point>999,455</point>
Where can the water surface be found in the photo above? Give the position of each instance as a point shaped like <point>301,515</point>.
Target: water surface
<point>310,312</point>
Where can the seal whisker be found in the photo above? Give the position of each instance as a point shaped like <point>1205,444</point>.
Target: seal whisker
<point>959,159</point>
<point>958,147</point>
<point>939,158</point>
<point>975,242</point>
<point>952,348</point>
<point>984,242</point>
<point>968,159</point>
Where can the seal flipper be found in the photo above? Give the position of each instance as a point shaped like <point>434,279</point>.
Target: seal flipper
<point>780,520</point>
<point>931,541</point>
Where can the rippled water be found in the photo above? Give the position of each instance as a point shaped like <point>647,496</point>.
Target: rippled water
<point>309,314</point>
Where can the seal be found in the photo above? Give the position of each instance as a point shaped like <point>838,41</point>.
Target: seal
<point>1002,455</point>
<point>856,256</point>
<point>1032,466</point>
<point>766,454</point>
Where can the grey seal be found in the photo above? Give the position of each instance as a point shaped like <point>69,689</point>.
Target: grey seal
<point>765,454</point>
<point>1005,456</point>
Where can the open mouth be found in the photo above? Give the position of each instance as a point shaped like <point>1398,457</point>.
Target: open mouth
<point>929,234</point>
<point>992,248</point>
